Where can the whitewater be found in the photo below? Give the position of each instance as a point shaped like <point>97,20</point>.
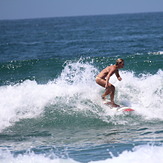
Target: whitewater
<point>76,89</point>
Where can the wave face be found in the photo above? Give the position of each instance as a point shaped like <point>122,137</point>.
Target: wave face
<point>75,97</point>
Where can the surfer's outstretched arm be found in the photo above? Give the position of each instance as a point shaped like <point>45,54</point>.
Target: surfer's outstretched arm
<point>118,76</point>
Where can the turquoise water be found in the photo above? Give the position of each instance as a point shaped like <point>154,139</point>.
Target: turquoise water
<point>50,107</point>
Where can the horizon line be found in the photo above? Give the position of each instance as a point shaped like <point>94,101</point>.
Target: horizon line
<point>48,17</point>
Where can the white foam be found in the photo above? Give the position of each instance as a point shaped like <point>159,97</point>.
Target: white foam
<point>145,153</point>
<point>28,99</point>
<point>25,100</point>
<point>6,157</point>
<point>144,93</point>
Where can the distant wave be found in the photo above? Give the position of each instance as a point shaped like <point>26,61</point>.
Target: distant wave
<point>156,53</point>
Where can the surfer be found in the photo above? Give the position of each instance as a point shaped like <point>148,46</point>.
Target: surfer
<point>103,80</point>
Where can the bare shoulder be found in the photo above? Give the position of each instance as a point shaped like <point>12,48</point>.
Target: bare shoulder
<point>112,68</point>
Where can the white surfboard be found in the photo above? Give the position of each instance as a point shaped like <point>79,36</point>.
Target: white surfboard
<point>125,108</point>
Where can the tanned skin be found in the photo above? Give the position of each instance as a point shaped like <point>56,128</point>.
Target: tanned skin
<point>103,80</point>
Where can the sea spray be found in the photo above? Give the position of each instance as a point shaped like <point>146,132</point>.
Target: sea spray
<point>143,92</point>
<point>31,157</point>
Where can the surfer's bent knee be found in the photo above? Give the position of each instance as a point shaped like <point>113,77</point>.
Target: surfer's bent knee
<point>100,81</point>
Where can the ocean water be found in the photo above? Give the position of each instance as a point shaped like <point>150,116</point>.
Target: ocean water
<point>50,106</point>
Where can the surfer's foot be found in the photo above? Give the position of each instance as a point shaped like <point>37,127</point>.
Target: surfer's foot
<point>103,97</point>
<point>114,105</point>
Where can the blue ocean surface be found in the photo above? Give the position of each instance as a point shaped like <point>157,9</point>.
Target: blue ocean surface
<point>50,105</point>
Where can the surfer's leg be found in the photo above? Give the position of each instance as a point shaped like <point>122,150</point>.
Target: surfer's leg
<point>107,92</point>
<point>110,90</point>
<point>102,82</point>
<point>112,96</point>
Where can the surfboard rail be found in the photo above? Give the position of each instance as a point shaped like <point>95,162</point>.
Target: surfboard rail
<point>126,109</point>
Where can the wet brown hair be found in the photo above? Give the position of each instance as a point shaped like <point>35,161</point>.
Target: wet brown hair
<point>119,60</point>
